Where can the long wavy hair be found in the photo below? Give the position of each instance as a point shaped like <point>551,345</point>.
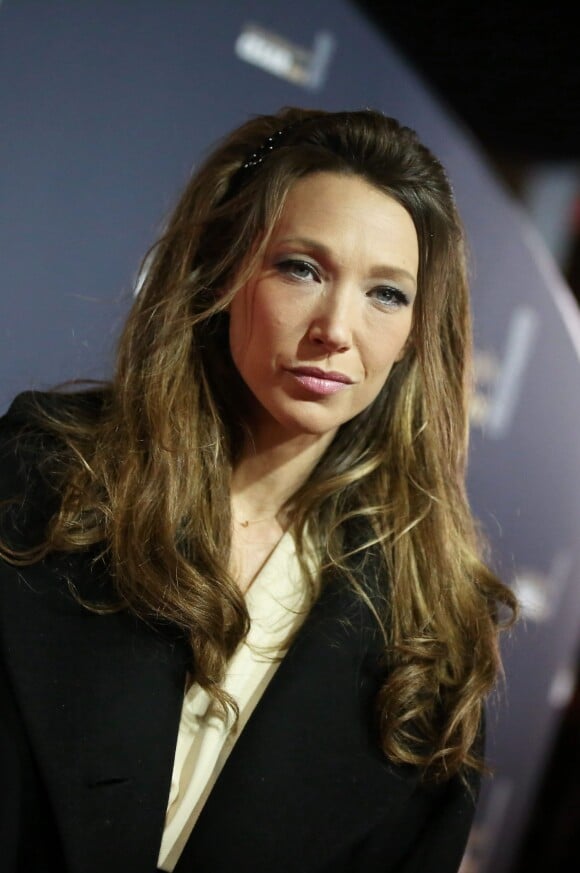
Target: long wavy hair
<point>147,480</point>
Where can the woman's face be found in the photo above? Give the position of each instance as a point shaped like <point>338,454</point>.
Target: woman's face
<point>314,333</point>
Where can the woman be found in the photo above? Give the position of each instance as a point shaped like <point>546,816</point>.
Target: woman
<point>245,623</point>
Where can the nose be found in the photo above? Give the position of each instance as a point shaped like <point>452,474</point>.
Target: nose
<point>331,326</point>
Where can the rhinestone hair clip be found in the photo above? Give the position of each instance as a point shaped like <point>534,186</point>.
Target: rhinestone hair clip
<point>270,144</point>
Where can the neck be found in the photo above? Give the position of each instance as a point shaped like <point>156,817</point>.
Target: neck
<point>270,471</point>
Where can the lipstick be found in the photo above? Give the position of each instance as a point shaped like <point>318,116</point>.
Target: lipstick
<point>319,381</point>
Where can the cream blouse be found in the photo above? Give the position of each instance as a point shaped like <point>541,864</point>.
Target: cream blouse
<point>276,603</point>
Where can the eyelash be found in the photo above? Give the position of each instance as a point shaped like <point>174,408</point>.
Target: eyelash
<point>398,297</point>
<point>290,267</point>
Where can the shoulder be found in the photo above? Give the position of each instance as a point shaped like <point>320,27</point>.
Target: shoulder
<point>367,567</point>
<point>31,409</point>
<point>33,419</point>
<point>31,443</point>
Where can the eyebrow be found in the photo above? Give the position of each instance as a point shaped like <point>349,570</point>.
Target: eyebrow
<point>376,272</point>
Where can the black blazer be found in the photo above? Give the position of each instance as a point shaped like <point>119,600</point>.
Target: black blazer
<point>90,708</point>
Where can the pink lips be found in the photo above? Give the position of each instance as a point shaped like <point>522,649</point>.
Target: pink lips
<point>320,381</point>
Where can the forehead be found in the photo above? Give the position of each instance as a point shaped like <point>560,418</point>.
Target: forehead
<point>351,218</point>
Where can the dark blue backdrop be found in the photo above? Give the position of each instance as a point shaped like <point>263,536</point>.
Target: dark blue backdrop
<point>106,107</point>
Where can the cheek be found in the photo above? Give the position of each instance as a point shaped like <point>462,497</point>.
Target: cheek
<point>255,332</point>
<point>238,339</point>
<point>242,324</point>
<point>403,343</point>
<point>388,348</point>
<point>275,327</point>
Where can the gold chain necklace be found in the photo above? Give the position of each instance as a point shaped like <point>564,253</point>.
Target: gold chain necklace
<point>248,522</point>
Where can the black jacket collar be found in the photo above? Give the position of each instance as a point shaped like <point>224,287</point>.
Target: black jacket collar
<point>101,696</point>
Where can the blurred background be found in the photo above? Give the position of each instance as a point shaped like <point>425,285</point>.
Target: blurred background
<point>107,105</point>
<point>511,73</point>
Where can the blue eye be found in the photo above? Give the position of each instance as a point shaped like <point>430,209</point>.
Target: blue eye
<point>389,296</point>
<point>298,269</point>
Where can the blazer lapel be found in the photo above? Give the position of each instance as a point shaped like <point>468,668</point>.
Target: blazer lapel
<point>307,770</point>
<point>101,699</point>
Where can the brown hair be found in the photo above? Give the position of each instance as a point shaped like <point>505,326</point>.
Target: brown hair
<point>148,478</point>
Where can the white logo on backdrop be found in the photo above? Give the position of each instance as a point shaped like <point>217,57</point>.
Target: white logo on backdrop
<point>498,381</point>
<point>540,594</point>
<point>276,55</point>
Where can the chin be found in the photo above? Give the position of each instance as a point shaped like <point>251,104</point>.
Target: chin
<point>310,427</point>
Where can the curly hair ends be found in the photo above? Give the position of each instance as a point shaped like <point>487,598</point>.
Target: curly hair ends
<point>148,479</point>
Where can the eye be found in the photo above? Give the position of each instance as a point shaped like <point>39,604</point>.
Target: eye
<point>389,297</point>
<point>298,269</point>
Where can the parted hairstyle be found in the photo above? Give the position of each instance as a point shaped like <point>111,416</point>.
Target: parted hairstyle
<point>147,481</point>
